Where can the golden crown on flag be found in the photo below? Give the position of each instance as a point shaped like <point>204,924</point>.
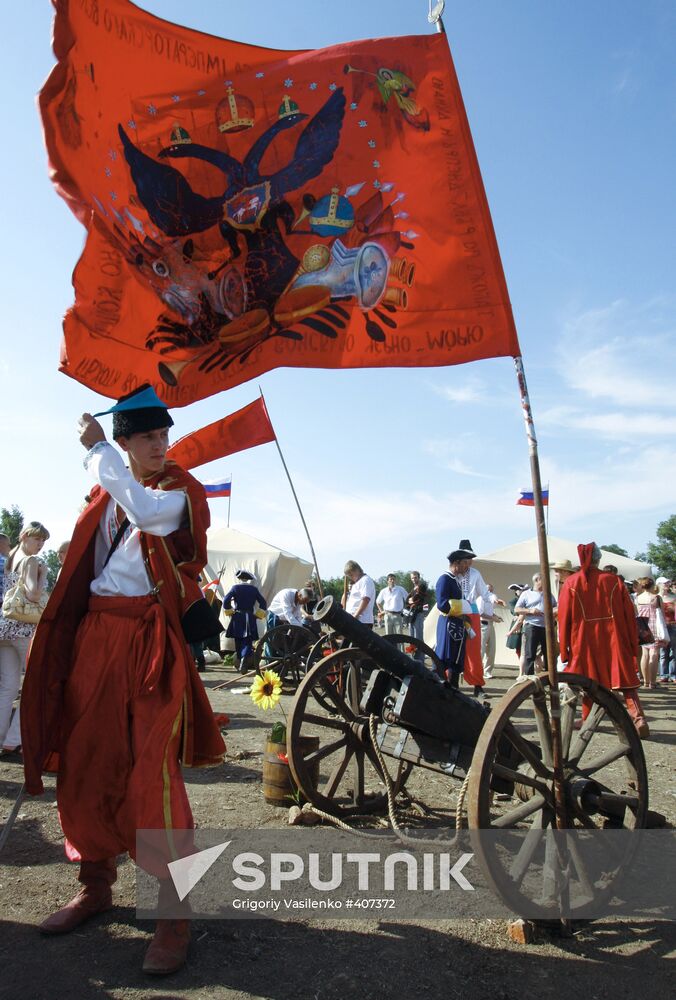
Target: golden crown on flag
<point>179,136</point>
<point>234,113</point>
<point>287,107</point>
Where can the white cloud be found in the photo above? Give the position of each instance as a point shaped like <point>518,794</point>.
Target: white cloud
<point>467,390</point>
<point>380,529</point>
<point>613,426</point>
<point>615,362</point>
<point>451,454</point>
<point>641,483</point>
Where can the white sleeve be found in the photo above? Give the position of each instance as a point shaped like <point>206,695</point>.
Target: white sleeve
<point>482,588</point>
<point>159,512</point>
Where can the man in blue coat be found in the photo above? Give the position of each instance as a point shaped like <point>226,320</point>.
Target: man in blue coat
<point>451,626</point>
<point>239,606</point>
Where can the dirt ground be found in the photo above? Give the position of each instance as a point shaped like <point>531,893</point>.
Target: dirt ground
<point>318,960</point>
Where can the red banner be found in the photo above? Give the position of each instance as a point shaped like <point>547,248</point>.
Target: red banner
<point>245,428</point>
<point>249,209</point>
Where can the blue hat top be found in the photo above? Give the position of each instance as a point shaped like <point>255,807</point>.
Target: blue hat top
<point>145,398</point>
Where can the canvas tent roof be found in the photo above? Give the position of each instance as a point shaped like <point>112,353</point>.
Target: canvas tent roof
<point>516,564</point>
<point>525,554</point>
<point>229,550</point>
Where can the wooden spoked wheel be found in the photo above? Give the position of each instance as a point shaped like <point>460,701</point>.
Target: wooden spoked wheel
<point>284,649</point>
<point>327,644</point>
<point>409,644</point>
<point>350,779</point>
<point>511,789</point>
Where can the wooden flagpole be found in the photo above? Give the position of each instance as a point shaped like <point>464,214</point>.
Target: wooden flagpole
<point>295,497</point>
<point>561,812</point>
<point>554,694</point>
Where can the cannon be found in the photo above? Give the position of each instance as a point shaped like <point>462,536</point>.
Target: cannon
<point>370,692</point>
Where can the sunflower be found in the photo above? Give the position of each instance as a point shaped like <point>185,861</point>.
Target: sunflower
<point>266,690</point>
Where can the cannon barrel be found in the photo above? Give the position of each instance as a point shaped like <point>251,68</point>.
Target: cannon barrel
<point>385,654</point>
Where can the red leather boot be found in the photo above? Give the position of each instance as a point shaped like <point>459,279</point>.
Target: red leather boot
<point>168,949</point>
<point>94,897</point>
<point>635,709</point>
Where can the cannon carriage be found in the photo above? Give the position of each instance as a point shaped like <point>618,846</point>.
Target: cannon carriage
<point>368,704</point>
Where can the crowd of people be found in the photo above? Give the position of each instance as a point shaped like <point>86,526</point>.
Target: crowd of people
<point>112,650</point>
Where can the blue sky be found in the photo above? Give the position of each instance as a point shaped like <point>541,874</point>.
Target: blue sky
<point>573,112</point>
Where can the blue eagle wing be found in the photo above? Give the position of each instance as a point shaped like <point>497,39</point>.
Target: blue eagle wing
<point>314,150</point>
<point>166,195</point>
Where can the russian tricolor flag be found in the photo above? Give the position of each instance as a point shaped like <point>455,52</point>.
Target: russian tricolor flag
<point>218,488</point>
<point>526,499</point>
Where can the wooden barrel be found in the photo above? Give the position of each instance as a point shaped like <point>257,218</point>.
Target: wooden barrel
<point>278,786</point>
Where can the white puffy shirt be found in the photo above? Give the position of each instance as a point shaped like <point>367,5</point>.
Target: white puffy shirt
<point>473,586</point>
<point>157,512</point>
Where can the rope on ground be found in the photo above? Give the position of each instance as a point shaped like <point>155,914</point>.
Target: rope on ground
<point>390,792</point>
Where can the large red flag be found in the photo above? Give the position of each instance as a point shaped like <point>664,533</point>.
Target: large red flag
<point>249,209</point>
<point>242,429</point>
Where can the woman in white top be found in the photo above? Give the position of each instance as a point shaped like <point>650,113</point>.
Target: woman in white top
<point>15,637</point>
<point>649,606</point>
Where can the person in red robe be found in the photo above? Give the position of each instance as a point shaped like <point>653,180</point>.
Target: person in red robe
<point>112,701</point>
<point>598,634</point>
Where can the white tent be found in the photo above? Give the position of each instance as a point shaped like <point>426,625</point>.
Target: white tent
<point>516,564</point>
<point>274,569</point>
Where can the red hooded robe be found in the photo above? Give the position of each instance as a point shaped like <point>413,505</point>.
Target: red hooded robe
<point>597,626</point>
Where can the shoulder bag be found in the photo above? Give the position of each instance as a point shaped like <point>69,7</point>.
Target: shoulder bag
<point>16,605</point>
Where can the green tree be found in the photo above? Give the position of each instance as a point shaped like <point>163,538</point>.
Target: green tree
<point>53,567</point>
<point>334,587</point>
<point>617,549</point>
<point>11,523</point>
<point>402,577</point>
<point>662,553</point>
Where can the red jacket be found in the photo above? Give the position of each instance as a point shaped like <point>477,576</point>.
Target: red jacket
<point>174,564</point>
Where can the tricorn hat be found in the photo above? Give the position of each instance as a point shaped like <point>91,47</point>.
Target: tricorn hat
<point>465,550</point>
<point>139,411</point>
<point>244,574</point>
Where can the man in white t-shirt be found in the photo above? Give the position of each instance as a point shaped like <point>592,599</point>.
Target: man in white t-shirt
<point>390,603</point>
<point>360,599</point>
<point>531,608</point>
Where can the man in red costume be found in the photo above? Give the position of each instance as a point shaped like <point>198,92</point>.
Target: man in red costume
<point>598,634</point>
<point>112,700</point>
